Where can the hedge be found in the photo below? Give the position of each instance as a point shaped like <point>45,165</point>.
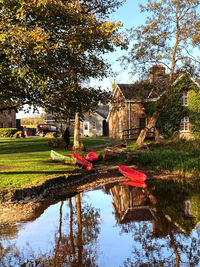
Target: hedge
<point>7,132</point>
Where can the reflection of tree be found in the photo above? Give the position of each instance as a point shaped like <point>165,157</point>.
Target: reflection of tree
<point>77,247</point>
<point>79,234</point>
<point>74,245</point>
<point>60,234</point>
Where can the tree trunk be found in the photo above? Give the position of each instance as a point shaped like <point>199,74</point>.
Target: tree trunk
<point>79,234</point>
<point>71,233</point>
<point>76,145</point>
<point>155,116</point>
<point>59,238</point>
<point>144,131</point>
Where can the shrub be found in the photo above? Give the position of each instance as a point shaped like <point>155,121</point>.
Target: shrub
<point>7,132</point>
<point>56,143</point>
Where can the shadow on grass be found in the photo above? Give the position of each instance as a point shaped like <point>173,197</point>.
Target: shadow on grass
<point>45,172</point>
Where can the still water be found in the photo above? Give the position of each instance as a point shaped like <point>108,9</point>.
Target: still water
<point>112,225</point>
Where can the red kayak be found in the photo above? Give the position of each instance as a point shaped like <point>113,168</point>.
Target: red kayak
<point>132,183</point>
<point>92,157</point>
<point>132,174</point>
<point>81,161</point>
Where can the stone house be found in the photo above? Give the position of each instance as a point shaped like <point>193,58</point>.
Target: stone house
<point>8,119</point>
<point>127,116</point>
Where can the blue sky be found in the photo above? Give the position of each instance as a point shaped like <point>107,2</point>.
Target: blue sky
<point>129,14</point>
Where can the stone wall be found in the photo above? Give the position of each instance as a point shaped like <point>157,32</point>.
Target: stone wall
<point>8,119</point>
<point>129,114</point>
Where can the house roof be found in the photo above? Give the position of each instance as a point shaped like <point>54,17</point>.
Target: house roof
<point>138,214</point>
<point>103,110</point>
<point>142,90</point>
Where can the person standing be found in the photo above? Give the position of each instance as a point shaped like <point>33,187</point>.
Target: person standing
<point>66,138</point>
<point>25,130</point>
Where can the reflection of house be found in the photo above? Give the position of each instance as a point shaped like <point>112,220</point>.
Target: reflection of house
<point>8,119</point>
<point>131,204</point>
<point>127,116</point>
<point>93,124</point>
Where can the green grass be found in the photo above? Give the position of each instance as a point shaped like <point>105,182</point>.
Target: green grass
<point>27,161</point>
<point>182,157</point>
<point>20,145</point>
<point>29,169</point>
<point>95,141</point>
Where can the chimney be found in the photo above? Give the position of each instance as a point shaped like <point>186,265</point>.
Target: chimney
<point>156,72</point>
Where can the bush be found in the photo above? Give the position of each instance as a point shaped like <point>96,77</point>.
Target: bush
<point>56,143</point>
<point>7,132</point>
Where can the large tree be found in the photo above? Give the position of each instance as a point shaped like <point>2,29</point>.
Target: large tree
<point>171,37</point>
<point>48,47</point>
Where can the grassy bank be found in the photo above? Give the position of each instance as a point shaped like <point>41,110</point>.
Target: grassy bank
<point>179,156</point>
<point>27,161</point>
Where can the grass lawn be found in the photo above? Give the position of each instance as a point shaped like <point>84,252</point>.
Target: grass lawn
<point>18,169</point>
<point>179,156</point>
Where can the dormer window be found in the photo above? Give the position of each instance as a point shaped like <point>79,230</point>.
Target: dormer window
<point>185,98</point>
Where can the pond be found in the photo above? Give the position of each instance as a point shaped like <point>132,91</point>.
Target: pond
<point>112,225</point>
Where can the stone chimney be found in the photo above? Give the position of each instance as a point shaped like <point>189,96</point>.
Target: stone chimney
<point>156,72</point>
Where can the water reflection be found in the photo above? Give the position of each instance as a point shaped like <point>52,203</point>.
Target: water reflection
<point>111,226</point>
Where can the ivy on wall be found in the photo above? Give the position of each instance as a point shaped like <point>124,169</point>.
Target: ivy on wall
<point>194,111</point>
<point>173,110</point>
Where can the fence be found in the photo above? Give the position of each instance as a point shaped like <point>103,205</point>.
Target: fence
<point>134,133</point>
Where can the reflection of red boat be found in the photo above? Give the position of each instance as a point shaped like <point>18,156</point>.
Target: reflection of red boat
<point>92,157</point>
<point>132,174</point>
<point>81,161</point>
<point>132,183</point>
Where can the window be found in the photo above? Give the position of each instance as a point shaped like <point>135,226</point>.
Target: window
<point>93,125</point>
<point>184,127</point>
<point>10,125</point>
<point>86,126</point>
<point>185,98</point>
<point>1,124</point>
<point>53,128</point>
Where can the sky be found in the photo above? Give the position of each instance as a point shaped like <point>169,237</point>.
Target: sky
<point>129,14</point>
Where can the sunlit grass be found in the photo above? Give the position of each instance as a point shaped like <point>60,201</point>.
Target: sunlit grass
<point>182,157</point>
<point>27,161</point>
<point>11,145</point>
<point>29,168</point>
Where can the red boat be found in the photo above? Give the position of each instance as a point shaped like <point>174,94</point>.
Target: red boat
<point>92,157</point>
<point>132,174</point>
<point>132,183</point>
<point>81,161</point>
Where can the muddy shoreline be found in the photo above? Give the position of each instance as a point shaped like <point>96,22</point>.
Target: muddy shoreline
<point>19,205</point>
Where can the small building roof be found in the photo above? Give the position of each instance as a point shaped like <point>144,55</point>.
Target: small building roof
<point>103,110</point>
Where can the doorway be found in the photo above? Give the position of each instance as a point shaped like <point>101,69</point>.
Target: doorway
<point>142,123</point>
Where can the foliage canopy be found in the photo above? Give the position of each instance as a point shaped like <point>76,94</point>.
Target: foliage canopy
<point>50,47</point>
